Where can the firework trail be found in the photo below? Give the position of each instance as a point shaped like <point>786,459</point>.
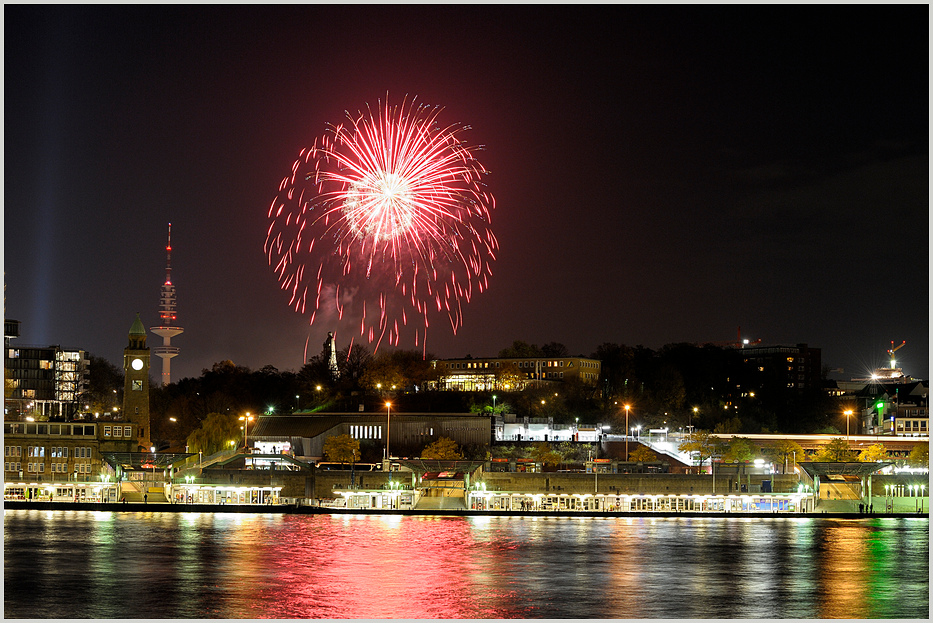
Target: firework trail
<point>385,220</point>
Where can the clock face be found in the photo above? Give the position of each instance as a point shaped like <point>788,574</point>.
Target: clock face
<point>137,364</point>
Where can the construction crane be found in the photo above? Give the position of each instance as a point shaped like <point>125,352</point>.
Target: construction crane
<point>891,352</point>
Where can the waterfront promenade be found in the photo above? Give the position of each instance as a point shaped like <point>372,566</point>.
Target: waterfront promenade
<point>290,509</point>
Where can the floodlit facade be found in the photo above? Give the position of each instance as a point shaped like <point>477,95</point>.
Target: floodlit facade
<point>43,459</point>
<point>46,381</point>
<point>513,373</point>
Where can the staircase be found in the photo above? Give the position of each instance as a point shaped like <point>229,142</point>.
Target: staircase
<point>192,465</point>
<point>667,448</point>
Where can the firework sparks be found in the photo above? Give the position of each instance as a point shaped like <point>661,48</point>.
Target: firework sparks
<point>386,217</point>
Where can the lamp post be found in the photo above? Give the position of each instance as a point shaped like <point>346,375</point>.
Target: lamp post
<point>297,403</point>
<point>246,420</point>
<point>847,413</point>
<point>388,431</point>
<point>627,407</point>
<point>494,404</point>
<point>595,474</point>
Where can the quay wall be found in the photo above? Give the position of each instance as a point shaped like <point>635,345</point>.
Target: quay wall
<point>557,482</point>
<point>316,510</point>
<point>549,482</point>
<point>321,483</point>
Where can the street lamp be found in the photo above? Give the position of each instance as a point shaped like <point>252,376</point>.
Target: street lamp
<point>388,431</point>
<point>297,403</point>
<point>627,407</point>
<point>493,403</point>
<point>847,413</point>
<point>246,420</point>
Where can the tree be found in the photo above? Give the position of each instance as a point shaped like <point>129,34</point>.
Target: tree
<point>701,442</point>
<point>520,349</point>
<point>617,370</point>
<point>642,454</point>
<point>836,451</point>
<point>574,452</point>
<point>873,454</point>
<point>555,349</point>
<point>783,449</point>
<point>739,449</point>
<point>342,449</point>
<point>443,449</point>
<point>919,456</point>
<point>105,385</point>
<point>669,388</point>
<point>218,431</point>
<point>352,362</point>
<point>542,453</point>
<point>509,376</point>
<point>729,426</point>
<point>383,373</point>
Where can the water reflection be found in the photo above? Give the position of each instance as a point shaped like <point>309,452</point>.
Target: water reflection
<point>77,564</point>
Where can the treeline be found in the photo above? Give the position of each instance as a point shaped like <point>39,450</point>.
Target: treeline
<point>675,386</point>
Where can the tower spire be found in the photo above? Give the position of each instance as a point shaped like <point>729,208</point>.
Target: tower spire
<point>167,329</point>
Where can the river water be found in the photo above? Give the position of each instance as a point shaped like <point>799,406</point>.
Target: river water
<point>85,564</point>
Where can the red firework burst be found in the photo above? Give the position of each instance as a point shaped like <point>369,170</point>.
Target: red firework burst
<point>385,213</point>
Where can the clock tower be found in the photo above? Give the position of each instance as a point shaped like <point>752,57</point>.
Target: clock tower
<point>136,384</point>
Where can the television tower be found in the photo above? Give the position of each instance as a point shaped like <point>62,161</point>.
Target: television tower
<point>167,330</point>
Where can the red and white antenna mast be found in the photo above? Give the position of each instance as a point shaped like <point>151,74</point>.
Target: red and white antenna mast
<point>167,330</point>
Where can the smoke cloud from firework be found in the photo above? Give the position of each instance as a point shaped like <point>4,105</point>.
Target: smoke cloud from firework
<point>391,208</point>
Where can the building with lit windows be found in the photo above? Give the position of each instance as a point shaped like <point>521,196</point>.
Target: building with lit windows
<point>894,408</point>
<point>46,381</point>
<point>513,373</point>
<point>408,433</point>
<point>40,457</point>
<point>792,367</point>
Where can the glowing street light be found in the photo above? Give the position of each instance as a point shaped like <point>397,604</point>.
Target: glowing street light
<point>388,431</point>
<point>847,414</point>
<point>627,407</point>
<point>246,420</point>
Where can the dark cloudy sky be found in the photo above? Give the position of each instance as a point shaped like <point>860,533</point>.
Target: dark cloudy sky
<point>661,175</point>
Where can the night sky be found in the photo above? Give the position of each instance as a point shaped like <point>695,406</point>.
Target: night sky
<point>661,175</point>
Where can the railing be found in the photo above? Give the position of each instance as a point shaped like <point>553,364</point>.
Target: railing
<point>669,448</point>
<point>197,462</point>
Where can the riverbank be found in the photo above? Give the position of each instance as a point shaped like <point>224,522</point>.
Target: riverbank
<point>135,507</point>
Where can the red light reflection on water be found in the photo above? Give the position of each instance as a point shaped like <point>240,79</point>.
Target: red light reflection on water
<point>376,567</point>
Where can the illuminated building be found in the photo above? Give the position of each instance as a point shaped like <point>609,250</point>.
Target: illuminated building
<point>167,330</point>
<point>43,456</point>
<point>411,432</point>
<point>44,381</point>
<point>513,373</point>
